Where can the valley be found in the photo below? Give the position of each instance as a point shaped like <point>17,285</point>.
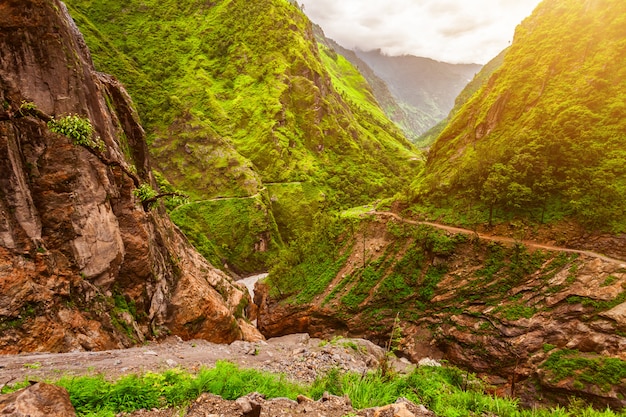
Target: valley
<point>241,188</point>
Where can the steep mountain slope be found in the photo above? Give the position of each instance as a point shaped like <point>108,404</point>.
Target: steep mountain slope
<point>470,89</point>
<point>544,137</point>
<point>238,103</point>
<point>538,323</point>
<point>377,86</point>
<point>85,264</point>
<point>424,89</point>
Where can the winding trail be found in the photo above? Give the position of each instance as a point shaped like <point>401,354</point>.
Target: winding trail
<point>501,239</point>
<point>216,199</point>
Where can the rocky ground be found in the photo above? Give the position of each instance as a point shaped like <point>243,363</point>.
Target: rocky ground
<point>298,356</point>
<point>253,405</point>
<point>301,358</point>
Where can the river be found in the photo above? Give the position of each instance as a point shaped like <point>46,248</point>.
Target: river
<point>250,281</point>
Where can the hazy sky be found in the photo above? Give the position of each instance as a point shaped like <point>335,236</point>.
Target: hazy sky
<point>469,31</point>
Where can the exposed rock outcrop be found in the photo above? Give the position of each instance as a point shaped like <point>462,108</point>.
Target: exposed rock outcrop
<point>511,312</point>
<point>82,264</point>
<point>38,400</point>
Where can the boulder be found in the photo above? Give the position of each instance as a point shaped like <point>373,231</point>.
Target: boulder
<point>38,400</point>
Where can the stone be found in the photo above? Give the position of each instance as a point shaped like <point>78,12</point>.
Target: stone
<point>303,399</point>
<point>618,314</point>
<point>393,410</point>
<point>250,404</point>
<point>38,400</point>
<point>428,362</point>
<point>71,225</point>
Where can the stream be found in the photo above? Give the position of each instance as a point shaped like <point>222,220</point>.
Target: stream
<point>250,281</point>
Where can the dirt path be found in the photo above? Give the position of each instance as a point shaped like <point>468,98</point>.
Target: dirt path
<point>298,356</point>
<point>501,239</point>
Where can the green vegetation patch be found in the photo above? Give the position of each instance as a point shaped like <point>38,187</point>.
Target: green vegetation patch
<point>600,371</point>
<point>238,231</point>
<point>306,265</point>
<point>513,149</point>
<point>447,391</point>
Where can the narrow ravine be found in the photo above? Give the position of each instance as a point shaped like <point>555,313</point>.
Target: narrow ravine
<point>250,281</point>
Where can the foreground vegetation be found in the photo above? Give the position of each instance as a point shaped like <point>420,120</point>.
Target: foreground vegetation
<point>447,391</point>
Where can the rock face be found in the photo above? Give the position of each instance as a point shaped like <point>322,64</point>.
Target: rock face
<point>82,264</point>
<point>38,400</point>
<point>517,314</point>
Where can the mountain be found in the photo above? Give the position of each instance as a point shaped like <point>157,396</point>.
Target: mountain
<point>477,82</point>
<point>424,89</point>
<point>85,262</point>
<point>377,87</point>
<point>249,117</point>
<point>543,138</point>
<point>532,293</point>
<point>535,321</point>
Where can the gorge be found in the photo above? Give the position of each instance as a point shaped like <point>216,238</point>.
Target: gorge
<point>251,145</point>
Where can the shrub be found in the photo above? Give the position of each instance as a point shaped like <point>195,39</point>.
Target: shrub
<point>78,129</point>
<point>145,192</point>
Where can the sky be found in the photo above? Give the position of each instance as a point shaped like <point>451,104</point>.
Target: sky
<point>455,31</point>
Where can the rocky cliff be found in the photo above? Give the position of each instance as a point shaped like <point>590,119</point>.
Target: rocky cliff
<point>83,265</point>
<point>540,323</point>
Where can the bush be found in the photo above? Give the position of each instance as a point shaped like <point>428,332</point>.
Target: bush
<point>78,129</point>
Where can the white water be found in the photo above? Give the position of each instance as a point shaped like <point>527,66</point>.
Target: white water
<point>250,281</point>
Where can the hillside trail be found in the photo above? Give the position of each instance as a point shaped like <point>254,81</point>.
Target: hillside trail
<point>247,197</point>
<point>501,239</point>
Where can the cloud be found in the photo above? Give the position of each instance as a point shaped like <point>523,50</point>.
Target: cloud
<point>446,30</point>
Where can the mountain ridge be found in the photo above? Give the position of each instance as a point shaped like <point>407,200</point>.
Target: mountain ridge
<point>239,109</point>
<point>86,265</point>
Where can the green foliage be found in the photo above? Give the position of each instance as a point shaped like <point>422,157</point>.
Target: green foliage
<point>171,388</point>
<point>305,267</point>
<point>591,369</point>
<point>28,106</point>
<point>78,129</point>
<point>232,231</point>
<point>608,281</point>
<point>597,305</point>
<point>547,347</point>
<point>433,275</point>
<point>515,147</point>
<point>176,199</point>
<point>516,312</point>
<point>145,192</point>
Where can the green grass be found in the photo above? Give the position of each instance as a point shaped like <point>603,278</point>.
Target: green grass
<point>441,389</point>
<point>99,397</point>
<point>589,369</point>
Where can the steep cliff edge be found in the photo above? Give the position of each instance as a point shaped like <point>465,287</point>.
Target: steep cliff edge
<point>538,322</point>
<point>82,264</point>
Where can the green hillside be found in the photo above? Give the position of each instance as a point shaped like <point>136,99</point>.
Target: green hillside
<point>235,95</point>
<point>545,136</point>
<point>470,89</point>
